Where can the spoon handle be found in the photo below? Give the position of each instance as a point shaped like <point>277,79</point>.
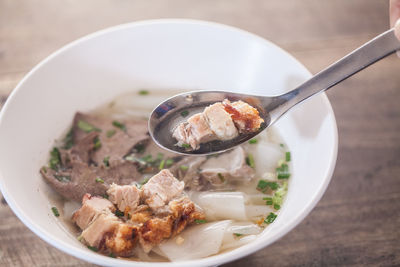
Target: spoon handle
<point>372,51</point>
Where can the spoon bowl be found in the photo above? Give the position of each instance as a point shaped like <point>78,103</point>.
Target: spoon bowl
<point>167,115</point>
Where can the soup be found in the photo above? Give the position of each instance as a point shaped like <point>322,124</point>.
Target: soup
<point>123,196</point>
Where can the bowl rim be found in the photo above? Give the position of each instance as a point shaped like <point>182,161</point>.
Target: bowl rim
<point>229,256</point>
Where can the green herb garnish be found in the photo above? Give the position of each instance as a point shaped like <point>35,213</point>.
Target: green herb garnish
<point>106,161</point>
<point>111,255</point>
<point>143,92</point>
<point>55,211</point>
<point>110,133</point>
<point>68,140</point>
<point>185,145</point>
<point>237,234</point>
<point>184,113</point>
<point>44,169</point>
<point>161,166</point>
<point>277,206</point>
<point>283,171</point>
<point>264,185</point>
<point>281,145</point>
<point>119,125</point>
<point>250,161</point>
<point>268,200</point>
<point>253,141</point>
<point>270,218</point>
<point>99,180</point>
<point>221,177</point>
<point>119,213</point>
<point>169,162</point>
<point>183,167</point>
<point>93,248</point>
<point>142,183</point>
<point>63,178</point>
<point>105,196</point>
<point>97,143</point>
<point>288,156</point>
<point>86,127</point>
<point>280,194</point>
<point>200,221</point>
<point>55,159</point>
<point>139,148</point>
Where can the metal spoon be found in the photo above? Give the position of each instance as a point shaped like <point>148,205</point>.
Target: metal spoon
<point>168,114</point>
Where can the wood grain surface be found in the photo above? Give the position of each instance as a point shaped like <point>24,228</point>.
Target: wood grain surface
<point>357,222</point>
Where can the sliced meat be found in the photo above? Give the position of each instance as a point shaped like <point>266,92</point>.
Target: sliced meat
<point>126,197</point>
<point>245,117</point>
<point>116,142</point>
<point>91,208</point>
<point>220,122</point>
<point>194,132</point>
<point>161,188</point>
<point>80,179</point>
<point>227,167</point>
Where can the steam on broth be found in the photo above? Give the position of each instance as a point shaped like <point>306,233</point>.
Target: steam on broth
<point>123,196</point>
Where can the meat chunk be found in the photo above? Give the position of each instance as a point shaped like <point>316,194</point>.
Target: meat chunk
<point>245,117</point>
<point>194,132</point>
<point>161,188</point>
<point>227,167</point>
<point>122,240</point>
<point>220,122</point>
<point>126,197</point>
<point>91,208</point>
<point>103,225</point>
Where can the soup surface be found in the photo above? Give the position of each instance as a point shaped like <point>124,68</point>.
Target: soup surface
<point>152,205</point>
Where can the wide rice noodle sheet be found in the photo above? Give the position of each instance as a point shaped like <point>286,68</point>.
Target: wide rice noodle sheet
<point>247,230</point>
<point>222,205</point>
<point>199,241</point>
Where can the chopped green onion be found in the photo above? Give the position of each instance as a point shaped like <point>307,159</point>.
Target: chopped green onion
<point>148,158</point>
<point>93,248</point>
<point>63,178</point>
<point>169,162</point>
<point>263,185</point>
<point>268,200</point>
<point>281,145</point>
<point>106,161</point>
<point>55,211</point>
<point>97,143</point>
<point>200,221</point>
<point>99,180</point>
<point>44,169</point>
<point>280,194</point>
<point>183,167</point>
<point>119,125</point>
<point>142,183</point>
<point>221,177</point>
<point>110,133</point>
<point>283,171</point>
<point>161,166</point>
<point>185,145</point>
<point>86,127</point>
<point>184,113</point>
<point>277,206</point>
<point>68,140</point>
<point>111,255</point>
<point>119,213</point>
<point>105,196</point>
<point>237,234</point>
<point>143,92</point>
<point>250,161</point>
<point>160,156</point>
<point>80,237</point>
<point>270,218</point>
<point>139,148</point>
<point>55,159</point>
<point>253,141</point>
<point>288,156</point>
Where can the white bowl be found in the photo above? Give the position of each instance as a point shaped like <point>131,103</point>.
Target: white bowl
<point>160,54</point>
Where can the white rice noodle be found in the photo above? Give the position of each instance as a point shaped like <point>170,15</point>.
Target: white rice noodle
<point>257,211</point>
<point>258,199</point>
<point>266,156</point>
<point>222,205</point>
<point>233,242</point>
<point>199,241</point>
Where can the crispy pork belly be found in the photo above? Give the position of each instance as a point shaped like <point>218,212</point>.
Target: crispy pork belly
<point>194,132</point>
<point>245,117</point>
<point>220,122</point>
<point>103,224</point>
<point>161,188</point>
<point>122,240</point>
<point>126,197</point>
<point>227,167</point>
<point>91,208</point>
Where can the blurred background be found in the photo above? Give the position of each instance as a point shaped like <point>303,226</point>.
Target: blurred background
<point>357,222</point>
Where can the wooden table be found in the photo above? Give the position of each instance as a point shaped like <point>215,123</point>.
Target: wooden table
<point>357,222</point>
